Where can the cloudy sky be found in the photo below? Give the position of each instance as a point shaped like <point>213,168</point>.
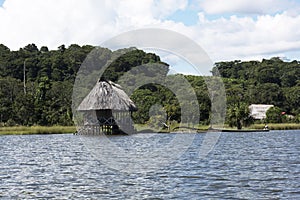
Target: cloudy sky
<point>225,29</point>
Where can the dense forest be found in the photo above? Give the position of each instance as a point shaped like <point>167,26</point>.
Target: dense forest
<point>267,82</point>
<point>36,85</point>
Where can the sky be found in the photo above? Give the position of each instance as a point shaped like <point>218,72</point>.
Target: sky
<point>225,29</point>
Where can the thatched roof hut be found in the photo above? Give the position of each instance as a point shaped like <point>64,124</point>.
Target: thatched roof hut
<point>107,95</point>
<point>107,109</point>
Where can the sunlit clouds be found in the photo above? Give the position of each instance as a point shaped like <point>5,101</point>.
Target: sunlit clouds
<point>237,29</point>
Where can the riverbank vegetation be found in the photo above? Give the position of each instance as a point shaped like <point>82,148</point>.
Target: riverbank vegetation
<point>24,130</point>
<point>37,85</point>
<point>279,126</point>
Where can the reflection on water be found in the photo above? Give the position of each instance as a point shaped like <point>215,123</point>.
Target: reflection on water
<point>242,166</point>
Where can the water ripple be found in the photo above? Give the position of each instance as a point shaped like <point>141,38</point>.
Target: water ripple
<point>242,166</point>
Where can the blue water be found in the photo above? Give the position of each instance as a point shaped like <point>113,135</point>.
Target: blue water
<point>241,166</point>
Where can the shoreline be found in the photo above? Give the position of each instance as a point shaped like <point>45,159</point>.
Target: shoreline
<point>34,130</point>
<point>280,126</point>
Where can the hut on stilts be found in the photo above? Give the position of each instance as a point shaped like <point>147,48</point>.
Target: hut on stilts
<point>107,109</point>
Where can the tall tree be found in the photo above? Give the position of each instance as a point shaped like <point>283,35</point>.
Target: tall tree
<point>238,115</point>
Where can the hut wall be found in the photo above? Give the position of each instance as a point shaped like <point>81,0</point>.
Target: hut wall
<point>104,113</point>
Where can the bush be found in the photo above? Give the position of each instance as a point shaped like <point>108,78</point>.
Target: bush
<point>274,115</point>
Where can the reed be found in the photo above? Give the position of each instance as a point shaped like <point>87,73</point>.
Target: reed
<point>282,126</point>
<point>23,130</point>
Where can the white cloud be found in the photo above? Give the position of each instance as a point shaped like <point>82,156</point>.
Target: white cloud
<point>246,37</point>
<point>56,22</point>
<point>245,6</point>
<point>53,22</point>
<point>163,8</point>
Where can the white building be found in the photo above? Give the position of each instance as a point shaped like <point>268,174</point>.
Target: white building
<point>258,111</point>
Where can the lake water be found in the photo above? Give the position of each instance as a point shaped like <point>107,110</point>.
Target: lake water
<point>241,166</point>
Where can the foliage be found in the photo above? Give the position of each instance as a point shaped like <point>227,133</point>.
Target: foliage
<point>277,126</point>
<point>238,115</point>
<point>50,75</point>
<point>274,115</point>
<point>271,81</point>
<point>21,130</point>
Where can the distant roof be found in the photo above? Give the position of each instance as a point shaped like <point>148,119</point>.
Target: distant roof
<point>258,111</point>
<point>107,95</point>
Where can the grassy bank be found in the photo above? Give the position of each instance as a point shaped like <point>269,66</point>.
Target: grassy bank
<point>184,127</point>
<point>173,128</point>
<point>23,130</point>
<point>283,126</point>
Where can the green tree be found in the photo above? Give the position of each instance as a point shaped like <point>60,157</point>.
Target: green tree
<point>9,88</point>
<point>58,103</point>
<point>144,99</point>
<point>238,115</point>
<point>292,96</point>
<point>266,93</point>
<point>274,115</point>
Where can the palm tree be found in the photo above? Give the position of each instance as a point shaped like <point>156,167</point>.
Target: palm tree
<point>239,115</point>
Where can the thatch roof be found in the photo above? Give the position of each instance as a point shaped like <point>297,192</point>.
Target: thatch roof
<point>107,95</point>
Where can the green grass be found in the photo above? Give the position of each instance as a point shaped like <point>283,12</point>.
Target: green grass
<point>282,126</point>
<point>24,130</point>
